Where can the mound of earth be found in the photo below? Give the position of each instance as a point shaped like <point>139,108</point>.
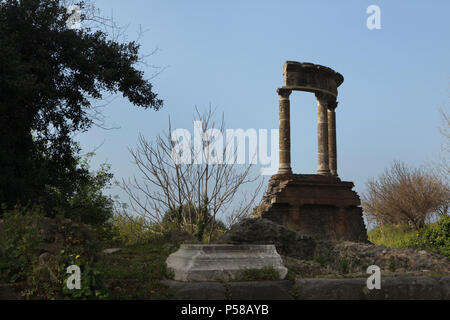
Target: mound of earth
<point>305,256</point>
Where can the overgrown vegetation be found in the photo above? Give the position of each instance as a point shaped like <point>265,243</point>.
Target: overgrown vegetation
<point>135,272</point>
<point>51,76</point>
<point>433,237</point>
<point>265,273</point>
<point>19,244</point>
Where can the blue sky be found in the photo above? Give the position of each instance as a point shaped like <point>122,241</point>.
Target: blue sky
<point>230,54</point>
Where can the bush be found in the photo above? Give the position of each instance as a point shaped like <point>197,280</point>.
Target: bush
<point>87,204</point>
<point>78,246</point>
<point>404,195</point>
<point>432,237</point>
<point>19,243</point>
<point>129,230</point>
<point>435,237</point>
<point>23,233</point>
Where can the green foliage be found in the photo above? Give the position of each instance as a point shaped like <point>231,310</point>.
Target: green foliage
<point>435,237</point>
<point>88,203</point>
<point>432,237</point>
<point>265,273</point>
<point>130,230</point>
<point>392,266</point>
<point>48,281</point>
<point>133,273</point>
<point>50,75</point>
<point>19,243</point>
<point>393,236</point>
<point>344,267</point>
<point>136,271</point>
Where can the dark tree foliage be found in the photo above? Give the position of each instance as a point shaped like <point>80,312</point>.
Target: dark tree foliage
<point>49,75</point>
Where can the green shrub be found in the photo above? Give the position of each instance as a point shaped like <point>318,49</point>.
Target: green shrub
<point>434,237</point>
<point>48,281</point>
<point>19,243</point>
<point>128,230</point>
<point>344,267</point>
<point>87,204</point>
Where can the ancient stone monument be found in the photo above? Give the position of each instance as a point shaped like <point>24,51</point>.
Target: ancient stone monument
<point>211,262</point>
<point>317,205</point>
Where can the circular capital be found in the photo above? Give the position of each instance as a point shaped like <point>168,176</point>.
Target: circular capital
<point>284,93</point>
<point>332,105</point>
<point>325,98</point>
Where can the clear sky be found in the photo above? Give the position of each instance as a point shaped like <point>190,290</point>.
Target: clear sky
<point>230,54</point>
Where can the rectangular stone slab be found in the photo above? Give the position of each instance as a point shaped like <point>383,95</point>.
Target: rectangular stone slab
<point>213,262</point>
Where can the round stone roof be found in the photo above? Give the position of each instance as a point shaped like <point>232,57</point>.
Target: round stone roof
<point>308,66</point>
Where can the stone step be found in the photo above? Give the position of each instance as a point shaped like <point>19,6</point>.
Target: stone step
<point>395,288</point>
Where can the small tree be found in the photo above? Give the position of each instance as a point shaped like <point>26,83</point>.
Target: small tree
<point>195,191</point>
<point>49,76</point>
<point>444,128</point>
<point>404,195</point>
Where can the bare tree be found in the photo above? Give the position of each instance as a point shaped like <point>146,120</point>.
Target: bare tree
<point>404,195</point>
<point>195,182</point>
<point>443,166</point>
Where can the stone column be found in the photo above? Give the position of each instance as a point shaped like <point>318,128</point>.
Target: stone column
<point>322,134</point>
<point>332,147</point>
<point>285,130</point>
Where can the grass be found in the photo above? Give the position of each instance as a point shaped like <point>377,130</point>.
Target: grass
<point>344,266</point>
<point>264,274</point>
<point>434,237</point>
<point>393,236</point>
<point>136,272</point>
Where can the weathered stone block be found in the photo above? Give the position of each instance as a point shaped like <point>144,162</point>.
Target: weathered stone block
<point>198,262</point>
<point>264,231</point>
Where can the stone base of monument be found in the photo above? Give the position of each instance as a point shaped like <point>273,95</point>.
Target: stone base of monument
<point>317,206</point>
<point>392,288</point>
<point>214,262</point>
